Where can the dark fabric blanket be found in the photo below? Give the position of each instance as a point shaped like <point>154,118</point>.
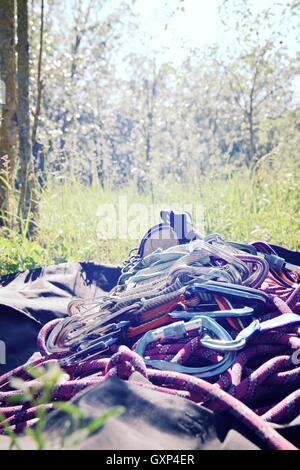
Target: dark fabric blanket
<point>30,299</point>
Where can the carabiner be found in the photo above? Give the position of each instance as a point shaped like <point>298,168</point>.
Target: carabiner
<point>240,341</point>
<point>234,313</point>
<point>99,348</point>
<point>103,333</point>
<point>244,247</point>
<point>179,330</point>
<point>90,345</point>
<point>246,294</point>
<point>234,344</point>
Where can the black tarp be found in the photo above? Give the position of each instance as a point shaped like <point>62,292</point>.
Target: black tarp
<point>30,299</point>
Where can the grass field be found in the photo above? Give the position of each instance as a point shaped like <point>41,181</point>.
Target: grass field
<point>243,207</point>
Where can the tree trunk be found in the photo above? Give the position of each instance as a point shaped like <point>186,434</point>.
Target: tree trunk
<point>28,195</point>
<point>252,149</point>
<point>8,124</point>
<point>39,80</point>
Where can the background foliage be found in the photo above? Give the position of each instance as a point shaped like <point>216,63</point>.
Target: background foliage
<point>221,130</point>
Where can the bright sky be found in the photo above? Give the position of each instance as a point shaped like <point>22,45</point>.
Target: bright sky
<point>167,33</point>
<point>198,25</point>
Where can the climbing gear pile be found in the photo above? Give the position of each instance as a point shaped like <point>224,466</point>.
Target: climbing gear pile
<point>214,321</point>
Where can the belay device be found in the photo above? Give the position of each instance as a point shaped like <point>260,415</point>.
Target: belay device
<point>176,229</point>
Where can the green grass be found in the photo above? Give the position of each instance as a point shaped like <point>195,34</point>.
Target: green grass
<point>243,206</point>
<point>76,427</point>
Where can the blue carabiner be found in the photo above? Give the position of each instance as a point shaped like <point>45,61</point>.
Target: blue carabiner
<point>246,294</point>
<point>234,313</point>
<point>179,330</point>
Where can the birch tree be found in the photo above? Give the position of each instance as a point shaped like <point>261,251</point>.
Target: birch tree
<point>8,120</point>
<point>28,195</point>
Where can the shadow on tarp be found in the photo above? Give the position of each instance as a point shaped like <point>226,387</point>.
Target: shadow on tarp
<point>31,298</point>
